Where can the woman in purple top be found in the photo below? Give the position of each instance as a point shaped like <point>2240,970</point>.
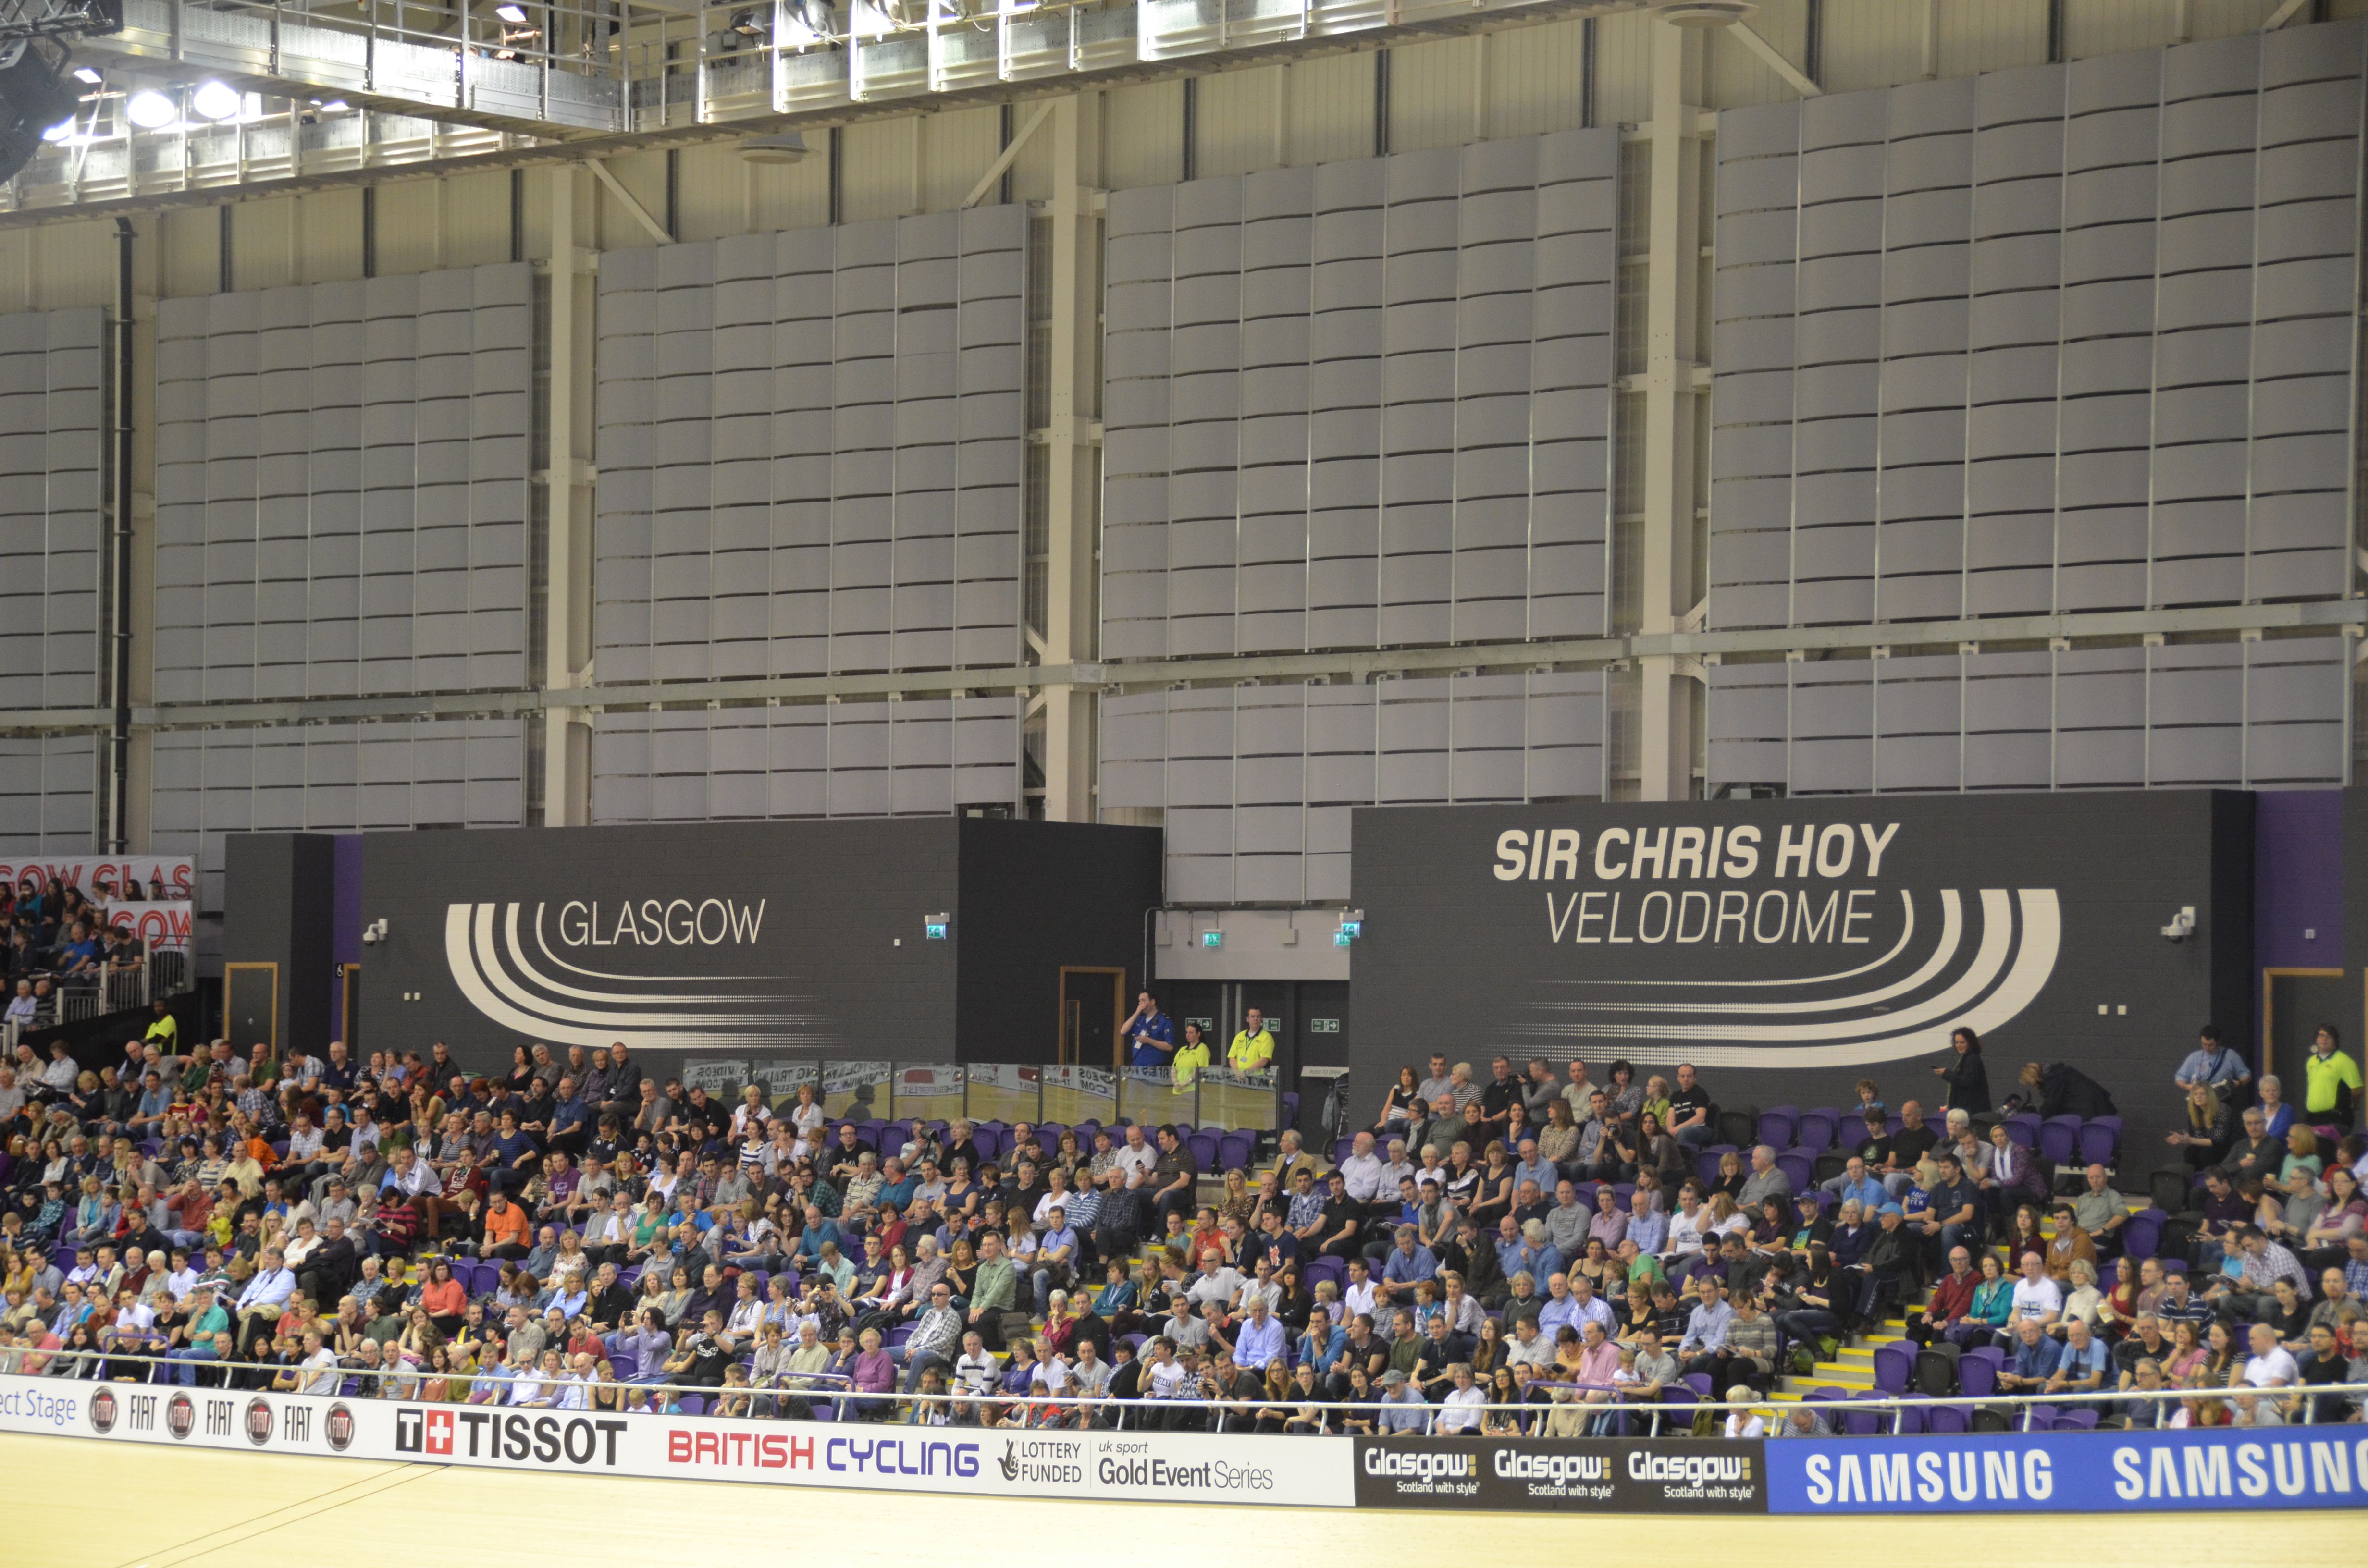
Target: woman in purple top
<point>873,1373</point>
<point>1610,1226</point>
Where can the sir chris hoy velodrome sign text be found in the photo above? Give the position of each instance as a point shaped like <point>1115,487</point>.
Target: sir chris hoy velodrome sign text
<point>1868,972</point>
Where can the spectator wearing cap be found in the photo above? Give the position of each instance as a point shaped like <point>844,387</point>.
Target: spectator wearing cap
<point>1890,1264</point>
<point>1403,1409</point>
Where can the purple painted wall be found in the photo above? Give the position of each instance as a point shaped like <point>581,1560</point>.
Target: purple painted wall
<point>2297,887</point>
<point>346,938</point>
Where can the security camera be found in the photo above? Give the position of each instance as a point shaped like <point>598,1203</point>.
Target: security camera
<point>2183,924</point>
<point>374,933</point>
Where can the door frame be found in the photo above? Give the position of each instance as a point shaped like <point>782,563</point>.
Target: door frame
<point>1117,1006</point>
<point>231,969</point>
<point>2270,978</point>
<point>349,977</point>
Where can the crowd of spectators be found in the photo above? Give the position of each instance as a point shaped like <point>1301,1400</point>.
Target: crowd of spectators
<point>56,939</point>
<point>579,1232</point>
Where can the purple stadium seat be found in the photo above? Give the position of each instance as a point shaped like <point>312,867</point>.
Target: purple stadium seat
<point>1893,1366</point>
<point>1235,1150</point>
<point>1342,1147</point>
<point>1977,1371</point>
<point>2099,1144</point>
<point>2059,1139</point>
<point>1049,1134</point>
<point>1777,1124</point>
<point>1798,1165</point>
<point>1699,1382</point>
<point>2038,1418</point>
<point>626,1364</point>
<point>1945,1418</point>
<point>1322,1268</point>
<point>1864,1423</point>
<point>2023,1128</point>
<point>2081,1420</point>
<point>1815,1131</point>
<point>1205,1149</point>
<point>694,1404</point>
<point>2143,1234</point>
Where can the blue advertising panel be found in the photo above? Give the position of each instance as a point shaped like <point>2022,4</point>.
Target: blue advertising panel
<point>2073,1472</point>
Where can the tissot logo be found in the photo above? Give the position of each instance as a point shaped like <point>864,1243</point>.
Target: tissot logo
<point>533,969</point>
<point>423,1432</point>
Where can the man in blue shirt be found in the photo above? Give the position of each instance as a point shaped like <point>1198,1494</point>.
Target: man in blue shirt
<point>1407,1265</point>
<point>1150,1034</point>
<point>1261,1339</point>
<point>2035,1362</point>
<point>1856,1182</point>
<point>2211,1062</point>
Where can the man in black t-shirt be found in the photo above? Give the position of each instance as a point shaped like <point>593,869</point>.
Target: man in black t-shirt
<point>1914,1140</point>
<point>1692,1116</point>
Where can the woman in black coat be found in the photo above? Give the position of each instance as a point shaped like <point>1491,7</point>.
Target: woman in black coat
<point>1968,1080</point>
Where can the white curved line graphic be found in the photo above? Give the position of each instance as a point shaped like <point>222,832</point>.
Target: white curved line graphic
<point>489,959</point>
<point>532,976</point>
<point>1990,961</point>
<point>2034,964</point>
<point>1907,930</point>
<point>1952,936</point>
<point>460,957</point>
<point>604,975</point>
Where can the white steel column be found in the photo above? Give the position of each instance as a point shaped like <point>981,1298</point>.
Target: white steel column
<point>1667,703</point>
<point>1073,501</point>
<point>567,481</point>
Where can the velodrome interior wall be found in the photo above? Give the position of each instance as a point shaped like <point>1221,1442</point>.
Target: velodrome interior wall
<point>1870,247</point>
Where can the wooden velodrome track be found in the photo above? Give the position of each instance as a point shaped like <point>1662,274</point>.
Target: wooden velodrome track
<point>67,1506</point>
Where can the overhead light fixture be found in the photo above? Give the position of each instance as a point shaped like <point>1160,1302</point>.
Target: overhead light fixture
<point>151,111</point>
<point>510,13</point>
<point>59,131</point>
<point>336,105</point>
<point>1704,13</point>
<point>85,74</point>
<point>782,147</point>
<point>216,101</point>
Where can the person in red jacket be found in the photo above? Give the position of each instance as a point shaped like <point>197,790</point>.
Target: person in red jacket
<point>1951,1294</point>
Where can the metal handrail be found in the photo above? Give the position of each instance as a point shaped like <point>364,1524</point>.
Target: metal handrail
<point>2307,1394</point>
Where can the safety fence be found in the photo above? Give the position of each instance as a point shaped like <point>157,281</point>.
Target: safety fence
<point>1143,1456</point>
<point>1214,1097</point>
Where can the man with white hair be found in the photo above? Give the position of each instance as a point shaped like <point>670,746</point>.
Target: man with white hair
<point>1767,1180</point>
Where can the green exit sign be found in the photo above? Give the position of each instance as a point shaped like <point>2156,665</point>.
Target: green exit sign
<point>1323,1026</point>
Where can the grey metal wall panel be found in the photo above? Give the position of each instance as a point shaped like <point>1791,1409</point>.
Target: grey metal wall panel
<point>53,419</point>
<point>2121,388</point>
<point>428,471</point>
<point>833,483</point>
<point>1405,439</point>
<point>205,784</point>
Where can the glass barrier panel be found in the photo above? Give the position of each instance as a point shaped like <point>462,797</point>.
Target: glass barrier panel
<point>781,1080</point>
<point>721,1076</point>
<point>1152,1096</point>
<point>1003,1091</point>
<point>1073,1094</point>
<point>927,1091</point>
<point>855,1091</point>
<point>1231,1099</point>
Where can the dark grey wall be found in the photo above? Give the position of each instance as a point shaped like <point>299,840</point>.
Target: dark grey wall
<point>279,907</point>
<point>1454,957</point>
<point>837,966</point>
<point>1035,896</point>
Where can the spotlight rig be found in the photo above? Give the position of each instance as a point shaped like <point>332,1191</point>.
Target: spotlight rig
<point>36,91</point>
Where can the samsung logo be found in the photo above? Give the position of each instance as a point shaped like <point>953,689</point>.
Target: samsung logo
<point>661,923</point>
<point>2292,1469</point>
